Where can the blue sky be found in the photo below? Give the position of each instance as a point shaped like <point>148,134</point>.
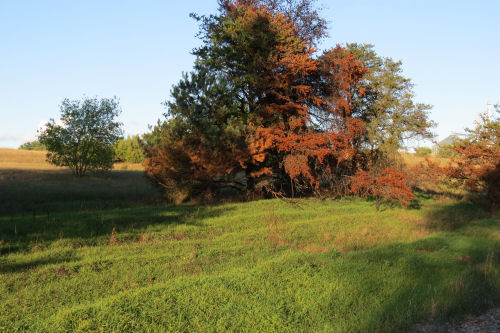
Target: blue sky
<point>136,50</point>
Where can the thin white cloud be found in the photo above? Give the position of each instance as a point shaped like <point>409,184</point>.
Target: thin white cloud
<point>7,137</point>
<point>13,141</point>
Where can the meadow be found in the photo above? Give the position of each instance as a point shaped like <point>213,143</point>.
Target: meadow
<point>103,253</point>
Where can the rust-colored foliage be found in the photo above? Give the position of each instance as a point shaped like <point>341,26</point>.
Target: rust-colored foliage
<point>261,103</point>
<point>428,172</point>
<point>168,162</point>
<point>477,164</point>
<point>390,184</point>
<point>326,103</point>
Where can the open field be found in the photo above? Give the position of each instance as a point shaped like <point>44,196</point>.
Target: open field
<point>17,159</point>
<point>24,159</point>
<point>100,258</point>
<point>29,185</point>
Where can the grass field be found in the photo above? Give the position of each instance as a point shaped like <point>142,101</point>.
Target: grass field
<point>29,185</point>
<point>99,259</point>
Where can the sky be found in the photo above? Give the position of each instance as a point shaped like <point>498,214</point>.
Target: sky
<point>136,51</point>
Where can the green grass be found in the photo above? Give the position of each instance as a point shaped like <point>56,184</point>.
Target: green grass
<point>311,265</point>
<point>102,253</point>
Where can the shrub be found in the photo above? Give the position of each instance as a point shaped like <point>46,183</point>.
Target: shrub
<point>423,151</point>
<point>389,184</point>
<point>446,151</point>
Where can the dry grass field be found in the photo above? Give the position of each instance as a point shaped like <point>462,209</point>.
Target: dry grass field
<point>17,159</point>
<point>413,159</point>
<point>35,160</point>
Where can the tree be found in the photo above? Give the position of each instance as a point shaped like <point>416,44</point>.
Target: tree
<point>203,138</point>
<point>387,107</point>
<point>310,26</point>
<point>248,76</point>
<point>423,151</point>
<point>86,137</point>
<point>260,101</point>
<point>477,163</point>
<point>446,151</point>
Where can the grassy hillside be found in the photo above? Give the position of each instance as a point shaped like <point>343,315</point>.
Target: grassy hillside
<point>303,265</point>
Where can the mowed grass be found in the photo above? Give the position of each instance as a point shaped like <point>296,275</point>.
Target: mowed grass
<point>272,265</point>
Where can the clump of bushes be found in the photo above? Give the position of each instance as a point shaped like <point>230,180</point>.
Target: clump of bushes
<point>446,151</point>
<point>263,114</point>
<point>423,151</point>
<point>475,163</point>
<point>32,145</point>
<point>129,149</point>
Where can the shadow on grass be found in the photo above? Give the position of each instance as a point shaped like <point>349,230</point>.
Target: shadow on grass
<point>28,191</point>
<point>453,216</point>
<point>40,207</point>
<point>434,283</point>
<point>22,266</point>
<point>94,227</point>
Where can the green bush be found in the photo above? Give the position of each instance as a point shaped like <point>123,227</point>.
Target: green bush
<point>423,151</point>
<point>446,151</point>
<point>32,145</point>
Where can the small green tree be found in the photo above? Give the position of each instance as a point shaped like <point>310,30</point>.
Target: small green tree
<point>86,137</point>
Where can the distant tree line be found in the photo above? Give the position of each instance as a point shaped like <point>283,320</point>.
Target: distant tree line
<point>32,145</point>
<point>129,149</point>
